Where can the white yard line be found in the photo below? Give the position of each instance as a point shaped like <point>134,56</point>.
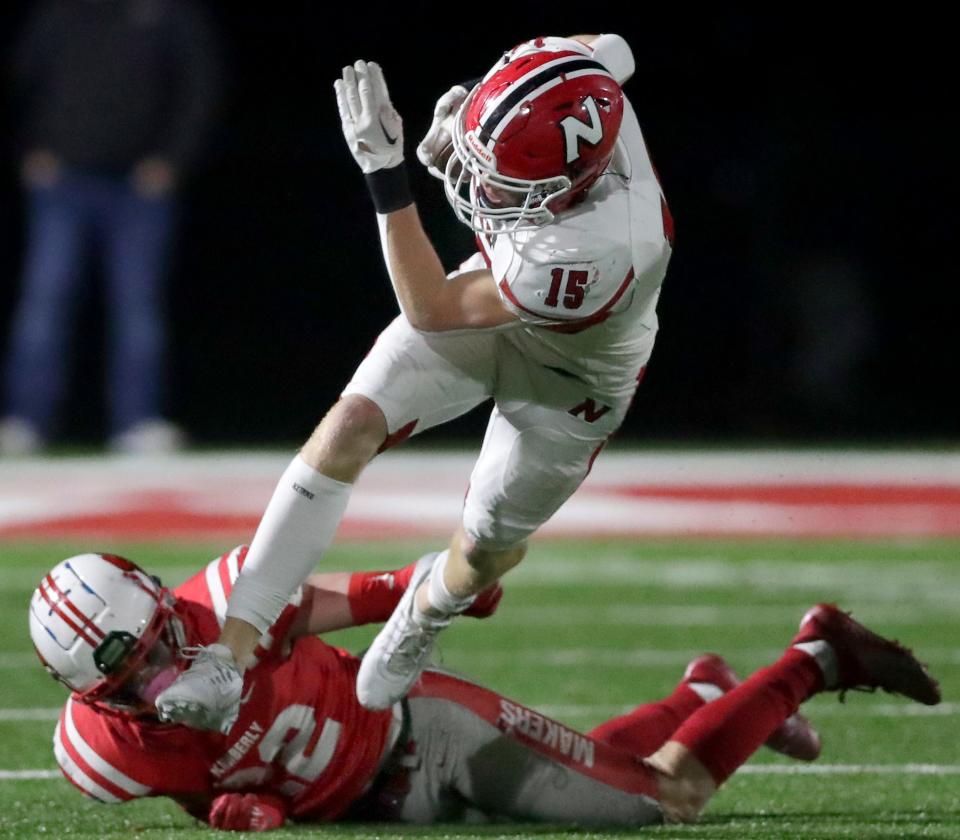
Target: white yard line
<point>19,715</point>
<point>930,582</point>
<point>850,769</point>
<point>596,710</point>
<point>629,614</point>
<point>633,614</point>
<point>16,661</point>
<point>858,576</point>
<point>562,711</point>
<point>681,465</point>
<point>748,770</point>
<point>598,657</point>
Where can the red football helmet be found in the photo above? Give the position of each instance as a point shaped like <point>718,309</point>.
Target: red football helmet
<point>532,137</point>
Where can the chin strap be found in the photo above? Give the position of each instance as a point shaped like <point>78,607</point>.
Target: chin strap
<point>178,633</point>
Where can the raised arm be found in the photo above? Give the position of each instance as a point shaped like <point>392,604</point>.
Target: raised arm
<point>374,133</point>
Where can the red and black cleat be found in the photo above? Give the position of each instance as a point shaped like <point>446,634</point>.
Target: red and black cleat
<point>794,738</point>
<point>865,660</point>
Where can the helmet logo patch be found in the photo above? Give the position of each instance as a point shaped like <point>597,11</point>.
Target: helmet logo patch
<point>575,130</point>
<point>480,150</point>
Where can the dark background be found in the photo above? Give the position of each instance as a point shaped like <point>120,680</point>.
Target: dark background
<point>808,158</point>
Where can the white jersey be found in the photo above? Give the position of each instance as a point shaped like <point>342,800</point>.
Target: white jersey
<point>563,375</point>
<point>585,287</point>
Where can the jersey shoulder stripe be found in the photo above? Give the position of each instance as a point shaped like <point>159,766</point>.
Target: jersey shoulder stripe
<point>86,769</point>
<point>72,738</point>
<point>220,576</point>
<point>77,777</point>
<point>215,589</point>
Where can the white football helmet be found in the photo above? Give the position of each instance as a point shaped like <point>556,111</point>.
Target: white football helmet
<point>107,630</point>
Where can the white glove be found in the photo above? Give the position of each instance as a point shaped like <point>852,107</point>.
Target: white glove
<point>372,128</point>
<point>435,147</point>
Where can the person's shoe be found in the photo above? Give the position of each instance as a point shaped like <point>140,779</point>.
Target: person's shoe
<point>19,438</point>
<point>149,437</point>
<point>207,694</point>
<point>399,653</point>
<point>794,738</point>
<point>713,669</point>
<point>865,660</point>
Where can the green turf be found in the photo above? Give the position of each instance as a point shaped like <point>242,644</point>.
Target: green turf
<point>584,630</point>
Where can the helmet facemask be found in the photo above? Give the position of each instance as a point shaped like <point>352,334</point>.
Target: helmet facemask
<point>138,689</point>
<point>136,670</point>
<point>471,177</point>
<point>534,135</point>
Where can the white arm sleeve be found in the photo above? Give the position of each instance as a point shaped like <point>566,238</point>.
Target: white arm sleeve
<point>614,53</point>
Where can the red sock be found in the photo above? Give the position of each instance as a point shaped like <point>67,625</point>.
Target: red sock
<point>647,728</point>
<point>725,733</point>
<point>373,596</point>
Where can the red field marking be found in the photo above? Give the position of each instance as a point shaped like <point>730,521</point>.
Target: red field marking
<point>730,510</point>
<point>183,525</point>
<point>795,494</point>
<point>738,495</point>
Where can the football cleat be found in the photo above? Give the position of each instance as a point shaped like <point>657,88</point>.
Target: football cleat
<point>399,653</point>
<point>207,694</point>
<point>794,738</point>
<point>866,661</point>
<point>713,669</point>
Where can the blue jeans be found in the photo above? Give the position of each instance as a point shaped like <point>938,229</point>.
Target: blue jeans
<point>66,222</point>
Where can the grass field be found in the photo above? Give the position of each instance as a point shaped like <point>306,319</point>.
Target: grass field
<point>585,630</point>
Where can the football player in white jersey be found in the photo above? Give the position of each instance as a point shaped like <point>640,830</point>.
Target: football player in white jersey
<point>554,318</point>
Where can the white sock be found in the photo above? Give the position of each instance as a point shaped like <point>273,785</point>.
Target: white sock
<point>296,529</point>
<point>824,656</point>
<point>438,595</point>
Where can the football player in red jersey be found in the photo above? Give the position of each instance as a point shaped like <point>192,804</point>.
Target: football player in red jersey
<point>554,317</point>
<point>303,747</point>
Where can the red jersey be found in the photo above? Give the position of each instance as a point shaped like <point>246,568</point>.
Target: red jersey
<point>301,733</point>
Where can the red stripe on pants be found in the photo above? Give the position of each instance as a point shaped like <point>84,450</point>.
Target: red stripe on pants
<point>582,754</point>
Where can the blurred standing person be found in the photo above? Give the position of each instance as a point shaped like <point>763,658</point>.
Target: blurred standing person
<point>116,98</point>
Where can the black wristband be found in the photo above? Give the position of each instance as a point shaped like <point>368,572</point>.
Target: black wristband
<point>390,188</point>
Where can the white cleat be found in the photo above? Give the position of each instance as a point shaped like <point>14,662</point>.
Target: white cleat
<point>207,694</point>
<point>399,653</point>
